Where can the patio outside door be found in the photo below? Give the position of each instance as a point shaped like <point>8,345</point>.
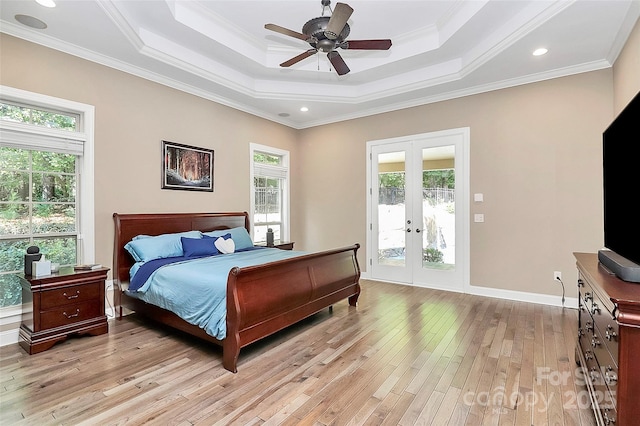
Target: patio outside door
<point>418,210</point>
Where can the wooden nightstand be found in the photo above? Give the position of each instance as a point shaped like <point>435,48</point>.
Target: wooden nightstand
<point>282,245</point>
<point>58,305</point>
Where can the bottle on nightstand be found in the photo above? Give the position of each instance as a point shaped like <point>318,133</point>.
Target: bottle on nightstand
<point>269,237</point>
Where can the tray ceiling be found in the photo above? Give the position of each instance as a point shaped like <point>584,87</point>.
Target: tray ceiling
<point>220,50</point>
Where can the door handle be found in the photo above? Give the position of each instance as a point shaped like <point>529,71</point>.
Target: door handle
<point>418,230</point>
<point>408,229</point>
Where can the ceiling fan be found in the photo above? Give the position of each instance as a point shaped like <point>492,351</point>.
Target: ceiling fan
<point>326,34</point>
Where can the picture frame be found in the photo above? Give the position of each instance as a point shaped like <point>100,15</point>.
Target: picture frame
<point>187,167</point>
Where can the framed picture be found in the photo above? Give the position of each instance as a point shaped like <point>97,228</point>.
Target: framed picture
<point>186,167</point>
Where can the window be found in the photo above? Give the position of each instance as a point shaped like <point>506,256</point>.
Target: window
<point>46,196</point>
<point>270,192</point>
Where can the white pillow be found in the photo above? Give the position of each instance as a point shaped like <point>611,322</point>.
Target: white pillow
<point>225,246</point>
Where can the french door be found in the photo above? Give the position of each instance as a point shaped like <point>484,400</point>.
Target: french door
<point>418,209</point>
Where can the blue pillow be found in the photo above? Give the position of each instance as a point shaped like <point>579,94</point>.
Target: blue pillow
<point>158,247</point>
<point>239,235</point>
<point>199,246</point>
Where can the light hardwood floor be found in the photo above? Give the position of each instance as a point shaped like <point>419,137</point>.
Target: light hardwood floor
<point>404,356</point>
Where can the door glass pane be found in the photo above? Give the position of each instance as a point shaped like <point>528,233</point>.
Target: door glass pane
<point>438,208</point>
<point>391,209</point>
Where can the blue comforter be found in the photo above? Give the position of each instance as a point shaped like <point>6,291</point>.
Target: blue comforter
<point>196,289</point>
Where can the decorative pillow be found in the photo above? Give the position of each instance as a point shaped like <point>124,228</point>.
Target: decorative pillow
<point>225,244</point>
<point>160,246</point>
<point>240,236</point>
<point>199,246</point>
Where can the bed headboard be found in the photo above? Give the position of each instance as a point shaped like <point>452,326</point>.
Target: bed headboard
<point>128,226</point>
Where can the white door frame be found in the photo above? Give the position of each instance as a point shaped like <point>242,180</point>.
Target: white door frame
<point>462,167</point>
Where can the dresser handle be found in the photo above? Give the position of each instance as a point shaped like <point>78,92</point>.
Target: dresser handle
<point>595,308</point>
<point>610,376</point>
<point>580,283</point>
<point>608,420</point>
<point>595,342</point>
<point>589,326</point>
<point>610,334</point>
<point>588,355</point>
<point>588,296</point>
<point>69,316</point>
<point>73,296</point>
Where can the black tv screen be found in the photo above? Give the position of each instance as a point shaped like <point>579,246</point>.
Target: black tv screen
<point>621,178</point>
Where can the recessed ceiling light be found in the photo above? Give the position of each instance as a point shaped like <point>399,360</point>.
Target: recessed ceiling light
<point>304,109</point>
<point>46,3</point>
<point>30,21</point>
<point>539,52</point>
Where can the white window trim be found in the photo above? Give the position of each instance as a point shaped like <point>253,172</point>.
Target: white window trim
<point>85,135</point>
<point>253,147</point>
<point>86,233</point>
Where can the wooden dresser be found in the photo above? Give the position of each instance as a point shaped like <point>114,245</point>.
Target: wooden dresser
<point>58,305</point>
<point>608,347</point>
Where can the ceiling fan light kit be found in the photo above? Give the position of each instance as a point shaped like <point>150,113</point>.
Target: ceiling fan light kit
<point>327,34</point>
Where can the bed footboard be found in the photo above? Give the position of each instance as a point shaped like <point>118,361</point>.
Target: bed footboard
<point>262,300</point>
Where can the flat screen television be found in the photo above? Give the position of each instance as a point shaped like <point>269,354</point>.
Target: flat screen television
<point>621,179</point>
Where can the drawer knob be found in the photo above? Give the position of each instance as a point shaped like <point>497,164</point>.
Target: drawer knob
<point>607,419</point>
<point>610,334</point>
<point>595,342</point>
<point>588,355</point>
<point>69,316</point>
<point>610,376</point>
<point>589,326</point>
<point>71,296</point>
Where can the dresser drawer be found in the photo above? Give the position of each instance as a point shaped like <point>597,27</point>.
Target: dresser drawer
<point>69,314</point>
<point>608,366</point>
<point>69,295</point>
<point>597,376</point>
<point>608,331</point>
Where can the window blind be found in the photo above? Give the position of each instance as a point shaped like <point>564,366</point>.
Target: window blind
<point>44,140</point>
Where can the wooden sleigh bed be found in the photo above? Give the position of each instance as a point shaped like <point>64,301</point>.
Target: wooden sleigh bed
<point>260,300</point>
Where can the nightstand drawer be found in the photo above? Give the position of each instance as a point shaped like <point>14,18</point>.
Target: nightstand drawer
<point>69,314</point>
<point>69,295</point>
<point>61,304</point>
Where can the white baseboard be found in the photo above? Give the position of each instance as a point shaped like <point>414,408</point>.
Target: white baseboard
<point>523,296</point>
<point>13,314</point>
<point>519,296</point>
<point>10,316</point>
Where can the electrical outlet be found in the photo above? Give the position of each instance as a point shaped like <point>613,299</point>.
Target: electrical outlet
<point>557,275</point>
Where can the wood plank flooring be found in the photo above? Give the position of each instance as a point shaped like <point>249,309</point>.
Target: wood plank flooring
<point>404,356</point>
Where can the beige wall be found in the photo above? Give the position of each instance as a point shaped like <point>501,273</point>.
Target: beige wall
<point>133,116</point>
<point>535,154</point>
<point>626,71</point>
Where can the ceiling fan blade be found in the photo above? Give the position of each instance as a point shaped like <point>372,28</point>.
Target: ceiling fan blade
<point>338,20</point>
<point>286,31</point>
<point>338,63</point>
<point>366,44</point>
<point>298,58</point>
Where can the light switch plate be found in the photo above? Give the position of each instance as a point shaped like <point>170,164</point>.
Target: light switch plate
<point>478,217</point>
<point>478,197</point>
